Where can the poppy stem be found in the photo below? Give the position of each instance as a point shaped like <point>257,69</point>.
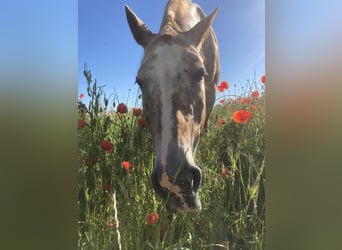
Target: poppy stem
<point>116,220</point>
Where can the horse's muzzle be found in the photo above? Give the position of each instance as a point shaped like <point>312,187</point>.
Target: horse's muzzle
<point>178,186</point>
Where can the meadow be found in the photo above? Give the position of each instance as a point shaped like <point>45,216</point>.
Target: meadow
<point>118,208</point>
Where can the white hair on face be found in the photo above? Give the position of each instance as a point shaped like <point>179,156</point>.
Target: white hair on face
<point>169,57</point>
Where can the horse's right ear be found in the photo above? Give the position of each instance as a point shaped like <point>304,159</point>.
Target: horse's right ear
<point>197,34</point>
<point>140,31</point>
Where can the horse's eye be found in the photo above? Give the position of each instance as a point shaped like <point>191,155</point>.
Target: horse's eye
<point>201,72</point>
<point>138,81</point>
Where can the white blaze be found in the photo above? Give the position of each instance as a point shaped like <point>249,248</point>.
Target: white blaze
<point>169,58</point>
<point>165,68</point>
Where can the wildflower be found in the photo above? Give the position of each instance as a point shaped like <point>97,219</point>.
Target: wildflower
<point>142,123</point>
<point>106,186</point>
<point>220,88</point>
<point>255,94</point>
<point>111,224</point>
<point>237,99</point>
<point>221,122</point>
<point>263,79</point>
<point>106,146</point>
<point>225,172</point>
<point>232,100</point>
<point>162,231</point>
<point>223,85</point>
<point>126,165</point>
<point>90,160</point>
<point>81,96</point>
<point>122,108</point>
<point>136,112</point>
<point>245,100</point>
<point>254,108</point>
<point>152,218</point>
<point>221,101</point>
<point>81,123</point>
<point>241,116</point>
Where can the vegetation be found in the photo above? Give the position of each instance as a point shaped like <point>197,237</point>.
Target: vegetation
<point>117,206</point>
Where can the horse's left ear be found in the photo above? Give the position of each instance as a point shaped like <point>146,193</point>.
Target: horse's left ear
<point>197,34</point>
<point>140,31</point>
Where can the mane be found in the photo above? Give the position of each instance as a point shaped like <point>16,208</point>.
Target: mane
<point>179,16</point>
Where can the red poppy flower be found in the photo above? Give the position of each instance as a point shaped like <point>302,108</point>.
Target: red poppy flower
<point>152,218</point>
<point>81,95</point>
<point>106,146</point>
<point>106,186</point>
<point>126,165</point>
<point>136,112</point>
<point>142,122</point>
<point>245,100</point>
<point>81,123</point>
<point>111,224</point>
<point>241,116</point>
<point>225,172</point>
<point>221,101</point>
<point>254,108</point>
<point>221,122</point>
<point>224,85</point>
<point>220,88</point>
<point>81,159</point>
<point>122,108</point>
<point>90,160</point>
<point>263,79</point>
<point>162,231</point>
<point>255,94</point>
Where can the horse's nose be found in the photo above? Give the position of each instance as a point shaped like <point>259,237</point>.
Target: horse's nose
<point>155,179</point>
<point>196,177</point>
<point>178,186</point>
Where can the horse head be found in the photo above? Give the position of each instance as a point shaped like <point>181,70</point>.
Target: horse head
<point>177,78</point>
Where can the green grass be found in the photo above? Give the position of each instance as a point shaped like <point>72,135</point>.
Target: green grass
<point>233,204</point>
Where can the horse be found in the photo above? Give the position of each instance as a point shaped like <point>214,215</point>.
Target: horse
<point>177,77</point>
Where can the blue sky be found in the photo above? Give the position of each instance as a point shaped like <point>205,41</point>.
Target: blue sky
<point>107,46</point>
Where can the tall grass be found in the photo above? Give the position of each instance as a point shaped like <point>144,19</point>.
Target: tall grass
<point>114,203</point>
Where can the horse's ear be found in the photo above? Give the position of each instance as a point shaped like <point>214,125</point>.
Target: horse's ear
<point>140,31</point>
<point>197,34</point>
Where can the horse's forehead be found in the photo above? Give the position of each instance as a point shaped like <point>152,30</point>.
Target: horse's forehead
<point>167,59</point>
<point>163,55</point>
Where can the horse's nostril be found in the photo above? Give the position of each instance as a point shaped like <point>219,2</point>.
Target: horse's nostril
<point>196,178</point>
<point>154,180</point>
<point>155,184</point>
